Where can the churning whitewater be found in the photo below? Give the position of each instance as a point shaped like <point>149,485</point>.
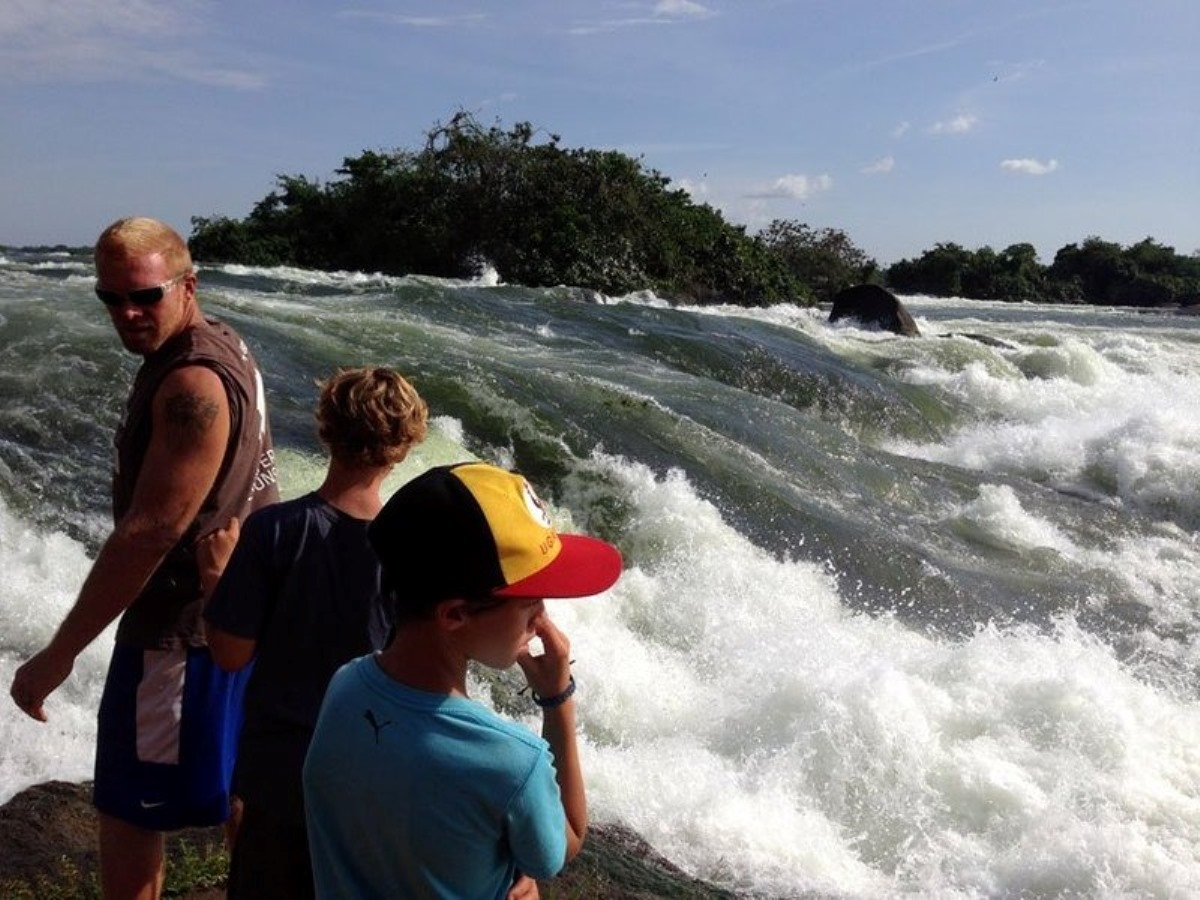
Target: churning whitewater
<point>901,616</point>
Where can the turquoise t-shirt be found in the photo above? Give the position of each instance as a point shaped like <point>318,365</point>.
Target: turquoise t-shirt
<point>412,794</point>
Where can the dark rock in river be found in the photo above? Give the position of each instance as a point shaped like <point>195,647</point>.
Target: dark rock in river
<point>873,306</point>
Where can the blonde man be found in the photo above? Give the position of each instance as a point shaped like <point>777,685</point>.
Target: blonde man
<point>192,450</point>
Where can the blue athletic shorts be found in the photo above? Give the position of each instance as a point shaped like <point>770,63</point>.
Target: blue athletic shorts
<point>167,738</point>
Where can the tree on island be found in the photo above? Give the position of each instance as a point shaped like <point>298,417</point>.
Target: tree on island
<point>822,261</point>
<point>539,213</point>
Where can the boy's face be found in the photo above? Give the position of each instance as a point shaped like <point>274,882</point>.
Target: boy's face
<point>499,634</point>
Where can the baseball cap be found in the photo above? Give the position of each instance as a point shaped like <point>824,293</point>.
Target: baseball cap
<point>474,530</point>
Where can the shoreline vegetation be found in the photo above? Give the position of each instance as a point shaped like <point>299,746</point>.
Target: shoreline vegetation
<point>48,852</point>
<point>544,215</point>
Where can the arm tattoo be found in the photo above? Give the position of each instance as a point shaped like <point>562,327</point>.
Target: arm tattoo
<point>188,416</point>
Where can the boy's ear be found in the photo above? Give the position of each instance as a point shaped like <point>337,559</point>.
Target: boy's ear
<point>451,614</point>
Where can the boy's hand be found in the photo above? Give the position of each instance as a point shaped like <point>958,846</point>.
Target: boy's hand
<point>213,552</point>
<point>524,888</point>
<point>550,673</point>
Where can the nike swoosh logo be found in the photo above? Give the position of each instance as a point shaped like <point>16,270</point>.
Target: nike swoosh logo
<point>146,805</point>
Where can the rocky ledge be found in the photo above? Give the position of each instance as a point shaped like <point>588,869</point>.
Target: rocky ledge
<point>48,832</point>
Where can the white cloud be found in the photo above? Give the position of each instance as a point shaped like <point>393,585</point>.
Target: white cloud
<point>900,129</point>
<point>794,187</point>
<point>664,12</point>
<point>98,40</point>
<point>679,9</point>
<point>40,20</point>
<point>414,21</point>
<point>693,189</point>
<point>960,124</point>
<point>879,167</point>
<point>1029,166</point>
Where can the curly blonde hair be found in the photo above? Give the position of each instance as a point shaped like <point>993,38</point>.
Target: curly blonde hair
<point>370,416</point>
<point>140,236</point>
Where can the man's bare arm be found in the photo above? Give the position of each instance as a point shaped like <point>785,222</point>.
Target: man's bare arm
<point>190,432</point>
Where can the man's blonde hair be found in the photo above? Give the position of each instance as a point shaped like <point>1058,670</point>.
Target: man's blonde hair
<point>140,236</point>
<point>370,416</point>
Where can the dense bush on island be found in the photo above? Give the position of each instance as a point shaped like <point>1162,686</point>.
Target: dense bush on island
<point>541,214</point>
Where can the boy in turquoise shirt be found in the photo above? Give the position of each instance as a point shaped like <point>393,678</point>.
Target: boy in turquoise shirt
<point>411,788</point>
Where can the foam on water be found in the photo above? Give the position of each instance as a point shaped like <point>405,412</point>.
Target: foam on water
<point>42,575</point>
<point>997,518</point>
<point>311,277</point>
<point>759,734</point>
<point>734,709</point>
<point>487,277</point>
<point>1159,570</point>
<point>1120,418</point>
<point>736,714</point>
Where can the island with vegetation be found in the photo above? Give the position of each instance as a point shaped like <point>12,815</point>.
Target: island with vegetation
<point>542,214</point>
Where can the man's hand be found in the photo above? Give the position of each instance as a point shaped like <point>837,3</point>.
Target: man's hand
<point>37,679</point>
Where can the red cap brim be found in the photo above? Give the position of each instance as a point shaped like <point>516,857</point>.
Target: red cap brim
<point>583,567</point>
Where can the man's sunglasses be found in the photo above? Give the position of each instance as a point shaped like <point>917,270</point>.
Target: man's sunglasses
<point>142,297</point>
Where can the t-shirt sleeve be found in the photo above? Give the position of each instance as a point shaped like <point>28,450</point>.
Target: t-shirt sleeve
<point>537,824</point>
<point>241,602</point>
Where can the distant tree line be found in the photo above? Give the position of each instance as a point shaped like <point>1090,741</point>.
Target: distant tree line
<point>1096,272</point>
<point>543,215</point>
<point>46,248</point>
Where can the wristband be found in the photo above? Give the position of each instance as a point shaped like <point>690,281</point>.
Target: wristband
<point>557,699</point>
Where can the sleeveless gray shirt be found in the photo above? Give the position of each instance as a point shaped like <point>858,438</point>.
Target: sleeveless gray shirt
<point>166,614</point>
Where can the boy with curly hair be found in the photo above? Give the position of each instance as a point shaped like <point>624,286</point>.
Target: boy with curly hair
<point>299,596</point>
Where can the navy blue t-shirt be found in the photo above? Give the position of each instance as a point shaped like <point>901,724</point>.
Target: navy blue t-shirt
<point>304,583</point>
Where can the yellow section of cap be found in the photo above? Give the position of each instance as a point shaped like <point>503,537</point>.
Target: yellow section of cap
<point>525,541</point>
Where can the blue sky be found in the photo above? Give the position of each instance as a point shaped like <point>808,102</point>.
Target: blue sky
<point>902,122</point>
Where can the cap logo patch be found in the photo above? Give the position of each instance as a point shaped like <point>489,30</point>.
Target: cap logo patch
<point>533,503</point>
